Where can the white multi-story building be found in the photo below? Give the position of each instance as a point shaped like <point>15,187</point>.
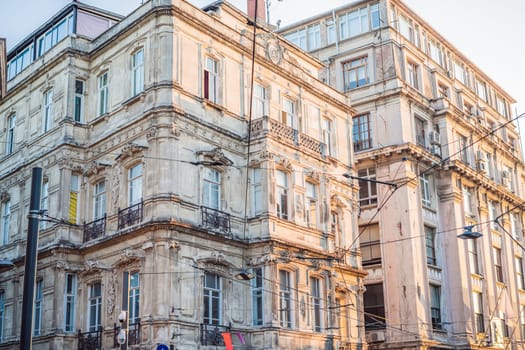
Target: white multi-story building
<point>431,122</point>
<point>162,179</point>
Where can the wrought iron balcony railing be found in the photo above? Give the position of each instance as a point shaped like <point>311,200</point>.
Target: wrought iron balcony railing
<point>90,340</point>
<point>133,334</point>
<point>131,215</point>
<point>95,229</point>
<point>215,219</point>
<point>211,334</point>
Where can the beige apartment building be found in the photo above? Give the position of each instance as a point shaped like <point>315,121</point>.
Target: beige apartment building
<point>226,217</point>
<point>431,122</point>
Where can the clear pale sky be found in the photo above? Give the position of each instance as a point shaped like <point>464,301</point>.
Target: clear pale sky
<point>489,33</point>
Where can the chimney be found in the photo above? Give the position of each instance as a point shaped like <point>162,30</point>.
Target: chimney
<point>261,10</point>
<point>3,69</point>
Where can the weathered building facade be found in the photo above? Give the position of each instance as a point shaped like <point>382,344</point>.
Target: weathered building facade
<point>162,178</point>
<point>431,122</point>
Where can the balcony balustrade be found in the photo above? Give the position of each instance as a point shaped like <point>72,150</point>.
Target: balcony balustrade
<point>131,215</point>
<point>216,220</point>
<point>95,229</point>
<point>90,340</point>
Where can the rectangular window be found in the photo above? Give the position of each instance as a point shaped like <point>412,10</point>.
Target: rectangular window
<point>134,298</point>
<point>311,204</point>
<point>374,305</point>
<point>212,298</point>
<point>498,267</point>
<point>367,187</point>
<point>355,73</point>
<point>420,126</point>
<point>299,38</point>
<point>405,28</point>
<point>285,299</point>
<point>288,116</point>
<point>70,295</point>
<point>103,94</point>
<point>435,52</point>
<point>95,306</point>
<point>2,314</point>
<point>315,290</point>
<point>361,132</point>
<point>468,204</point>
<point>10,141</point>
<point>435,306</point>
<point>135,185</point>
<point>413,75</point>
<point>328,136</point>
<point>314,37</point>
<point>212,189</point>
<point>260,101</point>
<point>501,106</point>
<point>137,67</point>
<point>48,111</point>
<point>375,16</point>
<point>430,243</point>
<point>477,307</point>
<point>370,244</point>
<point>99,200</point>
<point>481,90</point>
<point>464,149</point>
<point>281,195</point>
<point>331,34</point>
<point>211,80</point>
<point>519,273</point>
<point>44,202</point>
<point>459,72</point>
<point>257,191</point>
<point>426,197</point>
<point>37,313</point>
<point>74,193</point>
<point>493,214</point>
<point>6,219</point>
<point>257,297</point>
<point>79,101</point>
<point>515,226</point>
<point>473,256</point>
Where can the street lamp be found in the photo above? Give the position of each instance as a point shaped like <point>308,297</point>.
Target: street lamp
<point>469,234</point>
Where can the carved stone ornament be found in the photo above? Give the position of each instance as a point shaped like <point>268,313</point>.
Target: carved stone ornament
<point>151,133</point>
<point>313,174</point>
<point>274,51</point>
<point>261,260</point>
<point>175,130</point>
<point>129,256</point>
<point>215,155</point>
<point>96,167</point>
<point>4,196</point>
<point>130,150</point>
<point>337,201</point>
<point>284,163</point>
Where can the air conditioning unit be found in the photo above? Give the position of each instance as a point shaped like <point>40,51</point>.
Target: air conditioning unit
<point>480,155</point>
<point>435,150</point>
<point>481,165</point>
<point>375,336</point>
<point>435,137</point>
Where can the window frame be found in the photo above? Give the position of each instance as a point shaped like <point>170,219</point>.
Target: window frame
<point>137,71</point>
<point>435,306</point>
<point>282,194</point>
<point>135,184</point>
<point>355,73</point>
<point>370,186</point>
<point>78,105</point>
<point>361,132</point>
<point>316,293</point>
<point>257,191</point>
<point>520,277</point>
<point>94,305</point>
<point>311,204</point>
<point>103,93</point>
<point>498,265</point>
<point>47,117</point>
<point>473,252</point>
<point>10,137</point>
<point>413,75</point>
<point>99,199</point>
<point>44,202</point>
<point>370,244</point>
<point>285,299</point>
<point>430,245</point>
<point>328,133</point>
<point>257,293</point>
<point>212,188</point>
<point>260,101</point>
<point>426,189</point>
<point>37,313</point>
<point>375,306</point>
<point>134,297</point>
<point>212,299</point>
<point>211,80</point>
<point>6,221</point>
<point>477,309</point>
<point>70,295</point>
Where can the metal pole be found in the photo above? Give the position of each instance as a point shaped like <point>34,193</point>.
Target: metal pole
<point>30,261</point>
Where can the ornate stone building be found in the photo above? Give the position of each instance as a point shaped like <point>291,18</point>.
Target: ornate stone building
<point>430,121</point>
<point>163,180</point>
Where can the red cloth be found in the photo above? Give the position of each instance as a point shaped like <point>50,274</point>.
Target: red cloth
<point>227,340</point>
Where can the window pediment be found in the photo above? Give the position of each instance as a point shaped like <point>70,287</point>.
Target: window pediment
<point>214,157</point>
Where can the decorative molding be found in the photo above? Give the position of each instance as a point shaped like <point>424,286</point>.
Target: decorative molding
<point>215,155</point>
<point>130,150</point>
<point>96,167</point>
